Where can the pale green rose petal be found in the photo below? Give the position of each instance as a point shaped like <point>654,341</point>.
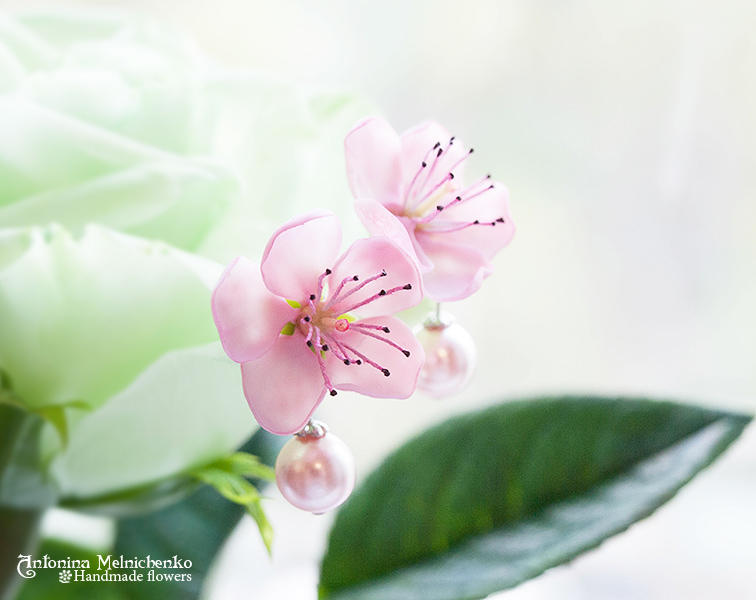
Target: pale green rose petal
<point>143,92</point>
<point>148,80</point>
<point>30,50</point>
<point>158,114</point>
<point>288,143</point>
<point>42,150</point>
<point>13,243</point>
<point>64,28</point>
<point>185,410</point>
<point>158,97</point>
<point>82,317</point>
<point>11,70</point>
<point>176,201</point>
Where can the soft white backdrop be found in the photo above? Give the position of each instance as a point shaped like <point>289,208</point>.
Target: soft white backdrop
<point>625,132</point>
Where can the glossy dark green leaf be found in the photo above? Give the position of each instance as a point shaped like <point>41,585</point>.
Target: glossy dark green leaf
<point>490,499</point>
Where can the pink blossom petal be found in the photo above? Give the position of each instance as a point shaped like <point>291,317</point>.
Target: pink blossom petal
<point>417,141</point>
<point>423,261</point>
<point>368,380</point>
<point>367,258</point>
<point>458,271</point>
<point>248,317</point>
<point>489,206</point>
<point>379,221</point>
<point>372,152</point>
<point>299,252</point>
<point>284,386</point>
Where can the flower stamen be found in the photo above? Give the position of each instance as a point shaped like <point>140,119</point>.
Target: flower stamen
<point>433,190</point>
<point>344,355</point>
<point>385,340</point>
<point>368,326</point>
<point>323,275</point>
<point>423,166</point>
<point>452,226</point>
<point>374,297</point>
<point>338,351</point>
<point>456,200</point>
<point>326,380</point>
<point>433,165</point>
<point>335,298</point>
<point>373,364</point>
<point>341,287</point>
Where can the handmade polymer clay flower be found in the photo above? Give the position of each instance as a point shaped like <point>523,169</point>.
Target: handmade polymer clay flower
<point>409,187</point>
<point>307,322</point>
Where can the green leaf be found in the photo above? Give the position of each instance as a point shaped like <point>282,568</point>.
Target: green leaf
<point>288,329</point>
<point>227,476</point>
<point>55,414</point>
<point>293,303</point>
<point>229,485</point>
<point>490,499</point>
<point>194,528</point>
<point>247,465</point>
<point>239,491</point>
<point>255,510</point>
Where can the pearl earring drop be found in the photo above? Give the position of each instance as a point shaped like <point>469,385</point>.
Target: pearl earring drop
<point>449,355</point>
<point>315,469</point>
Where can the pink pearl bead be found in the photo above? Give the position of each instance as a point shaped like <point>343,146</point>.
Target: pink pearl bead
<point>315,473</point>
<point>449,357</point>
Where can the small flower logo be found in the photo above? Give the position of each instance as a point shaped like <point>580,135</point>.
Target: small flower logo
<point>64,576</point>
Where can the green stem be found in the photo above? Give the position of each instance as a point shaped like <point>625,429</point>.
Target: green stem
<point>19,530</point>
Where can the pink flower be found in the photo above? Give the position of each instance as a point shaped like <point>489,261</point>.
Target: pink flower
<point>290,322</point>
<point>409,188</point>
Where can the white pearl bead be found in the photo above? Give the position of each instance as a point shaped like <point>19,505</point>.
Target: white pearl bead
<point>315,473</point>
<point>449,357</point>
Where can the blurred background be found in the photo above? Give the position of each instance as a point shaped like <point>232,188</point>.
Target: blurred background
<point>625,132</point>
